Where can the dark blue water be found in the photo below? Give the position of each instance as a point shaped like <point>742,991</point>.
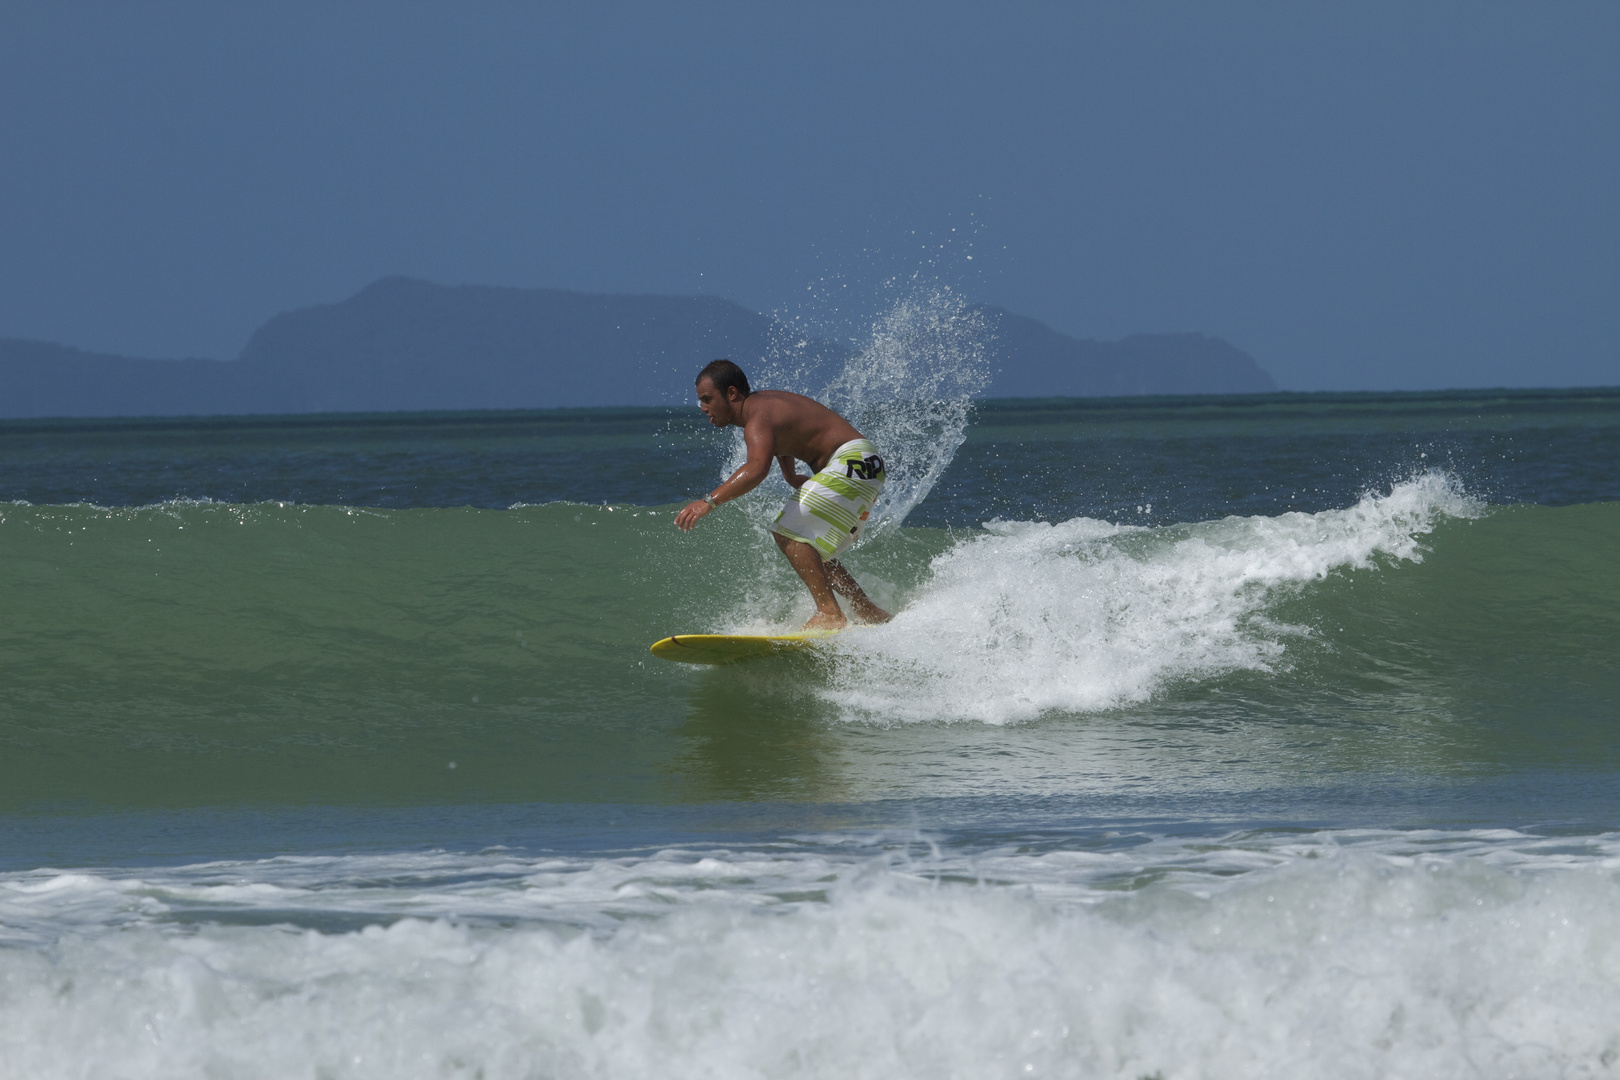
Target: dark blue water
<point>1188,458</point>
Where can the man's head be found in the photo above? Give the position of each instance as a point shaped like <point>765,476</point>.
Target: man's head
<point>721,388</point>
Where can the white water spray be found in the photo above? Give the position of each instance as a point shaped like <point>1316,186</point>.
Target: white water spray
<point>908,387</point>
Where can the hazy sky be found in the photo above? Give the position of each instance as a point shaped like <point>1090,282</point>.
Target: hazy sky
<point>1362,195</point>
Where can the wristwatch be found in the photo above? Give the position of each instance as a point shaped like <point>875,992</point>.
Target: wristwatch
<point>710,500</point>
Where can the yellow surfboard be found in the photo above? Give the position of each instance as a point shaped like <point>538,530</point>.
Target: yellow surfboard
<point>729,648</point>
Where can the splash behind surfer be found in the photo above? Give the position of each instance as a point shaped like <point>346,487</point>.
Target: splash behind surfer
<point>827,510</point>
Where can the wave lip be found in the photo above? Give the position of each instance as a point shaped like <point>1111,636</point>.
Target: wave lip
<point>1027,618</point>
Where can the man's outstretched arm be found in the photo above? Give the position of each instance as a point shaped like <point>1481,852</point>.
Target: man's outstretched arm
<point>749,475</point>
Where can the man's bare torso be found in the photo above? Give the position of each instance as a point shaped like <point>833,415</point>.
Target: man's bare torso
<point>799,427</point>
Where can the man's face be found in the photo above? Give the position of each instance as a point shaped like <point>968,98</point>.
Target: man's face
<point>721,409</point>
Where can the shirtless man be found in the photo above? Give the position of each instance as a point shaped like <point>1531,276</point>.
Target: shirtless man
<point>827,510</point>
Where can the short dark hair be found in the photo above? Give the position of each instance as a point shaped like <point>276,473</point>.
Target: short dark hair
<point>724,373</point>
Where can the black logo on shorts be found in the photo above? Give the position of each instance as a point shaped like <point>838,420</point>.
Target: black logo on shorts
<point>867,468</point>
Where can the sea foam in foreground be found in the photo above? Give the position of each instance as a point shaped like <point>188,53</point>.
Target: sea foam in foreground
<point>1350,954</point>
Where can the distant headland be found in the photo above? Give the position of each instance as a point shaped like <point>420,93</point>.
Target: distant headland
<point>402,344</point>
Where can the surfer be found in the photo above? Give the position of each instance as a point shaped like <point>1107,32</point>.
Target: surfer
<point>827,510</point>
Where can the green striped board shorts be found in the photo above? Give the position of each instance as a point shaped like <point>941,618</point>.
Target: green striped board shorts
<point>829,510</point>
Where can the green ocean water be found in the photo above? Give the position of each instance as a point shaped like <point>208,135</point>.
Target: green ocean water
<point>214,654</point>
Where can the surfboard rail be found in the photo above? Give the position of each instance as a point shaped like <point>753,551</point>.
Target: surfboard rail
<point>731,648</point>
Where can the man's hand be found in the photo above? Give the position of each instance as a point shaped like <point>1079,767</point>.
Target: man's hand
<point>691,514</point>
<point>790,471</point>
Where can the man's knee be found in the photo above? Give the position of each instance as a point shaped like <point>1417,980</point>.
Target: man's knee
<point>797,550</point>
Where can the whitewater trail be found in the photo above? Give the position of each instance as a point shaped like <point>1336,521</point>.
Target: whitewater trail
<point>1022,618</point>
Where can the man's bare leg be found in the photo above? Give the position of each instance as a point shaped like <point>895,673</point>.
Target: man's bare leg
<point>806,560</point>
<point>844,585</point>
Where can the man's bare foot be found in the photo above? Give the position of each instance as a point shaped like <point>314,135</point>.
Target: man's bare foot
<point>826,620</point>
<point>869,612</point>
<point>845,585</point>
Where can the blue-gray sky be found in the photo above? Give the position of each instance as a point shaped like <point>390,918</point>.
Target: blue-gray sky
<point>1363,195</point>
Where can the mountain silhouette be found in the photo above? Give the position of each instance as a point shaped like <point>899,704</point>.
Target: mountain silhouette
<point>1038,361</point>
<point>403,344</point>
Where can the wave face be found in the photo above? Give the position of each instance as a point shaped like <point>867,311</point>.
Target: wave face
<point>337,653</point>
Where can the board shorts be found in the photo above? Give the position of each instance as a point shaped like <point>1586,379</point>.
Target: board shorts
<point>829,510</point>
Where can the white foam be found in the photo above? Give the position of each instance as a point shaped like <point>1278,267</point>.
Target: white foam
<point>1336,954</point>
<point>1025,618</point>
